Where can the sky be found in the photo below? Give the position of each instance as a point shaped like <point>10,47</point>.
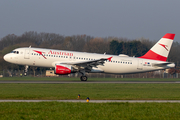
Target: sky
<point>131,19</point>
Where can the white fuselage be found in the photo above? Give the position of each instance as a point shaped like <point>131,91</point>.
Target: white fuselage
<point>50,57</point>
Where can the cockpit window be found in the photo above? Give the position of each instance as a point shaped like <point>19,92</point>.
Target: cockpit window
<point>16,52</point>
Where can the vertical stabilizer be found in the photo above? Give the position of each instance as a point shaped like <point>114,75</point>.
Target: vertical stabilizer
<point>160,50</point>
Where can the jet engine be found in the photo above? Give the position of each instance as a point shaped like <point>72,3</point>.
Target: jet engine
<point>62,69</point>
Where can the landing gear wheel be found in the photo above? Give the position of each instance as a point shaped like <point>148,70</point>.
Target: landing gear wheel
<point>26,70</point>
<point>83,78</point>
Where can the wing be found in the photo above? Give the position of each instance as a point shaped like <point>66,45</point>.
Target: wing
<point>87,65</point>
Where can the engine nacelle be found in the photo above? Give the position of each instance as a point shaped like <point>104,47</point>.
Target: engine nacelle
<point>62,69</point>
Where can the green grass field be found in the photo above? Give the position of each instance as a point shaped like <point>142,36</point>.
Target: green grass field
<point>91,111</point>
<point>102,91</point>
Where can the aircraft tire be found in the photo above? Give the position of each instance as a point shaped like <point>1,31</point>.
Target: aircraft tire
<point>83,78</point>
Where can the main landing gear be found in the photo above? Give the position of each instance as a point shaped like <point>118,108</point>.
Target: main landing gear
<point>83,77</point>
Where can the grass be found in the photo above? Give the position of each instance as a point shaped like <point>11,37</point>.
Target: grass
<point>103,91</point>
<point>91,111</point>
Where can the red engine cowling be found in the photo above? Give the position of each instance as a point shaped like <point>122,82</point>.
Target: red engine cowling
<point>62,69</point>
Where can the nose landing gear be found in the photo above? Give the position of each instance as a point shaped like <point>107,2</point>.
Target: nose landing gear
<point>26,70</point>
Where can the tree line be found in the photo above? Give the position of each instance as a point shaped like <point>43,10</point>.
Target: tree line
<point>82,43</point>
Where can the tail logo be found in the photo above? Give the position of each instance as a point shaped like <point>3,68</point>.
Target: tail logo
<point>165,46</point>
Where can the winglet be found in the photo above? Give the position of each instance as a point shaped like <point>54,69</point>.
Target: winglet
<point>109,58</point>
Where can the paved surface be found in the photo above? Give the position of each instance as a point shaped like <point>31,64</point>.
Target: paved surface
<point>63,82</point>
<point>98,101</point>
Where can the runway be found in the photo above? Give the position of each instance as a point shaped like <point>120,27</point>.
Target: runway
<point>66,82</point>
<point>98,101</point>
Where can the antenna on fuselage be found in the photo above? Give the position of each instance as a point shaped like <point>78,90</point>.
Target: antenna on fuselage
<point>30,46</point>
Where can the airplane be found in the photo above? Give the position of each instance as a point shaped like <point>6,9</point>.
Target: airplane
<point>67,62</point>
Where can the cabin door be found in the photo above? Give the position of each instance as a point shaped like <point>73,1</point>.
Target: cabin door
<point>27,54</point>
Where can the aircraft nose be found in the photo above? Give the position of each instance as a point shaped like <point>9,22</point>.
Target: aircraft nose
<point>6,57</point>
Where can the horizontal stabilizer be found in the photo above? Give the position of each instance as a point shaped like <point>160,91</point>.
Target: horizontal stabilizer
<point>168,64</point>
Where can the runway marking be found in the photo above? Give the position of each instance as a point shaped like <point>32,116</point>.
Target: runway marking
<point>98,101</point>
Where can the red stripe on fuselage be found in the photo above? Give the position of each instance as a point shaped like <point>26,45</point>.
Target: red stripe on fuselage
<point>41,53</point>
<point>153,56</point>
